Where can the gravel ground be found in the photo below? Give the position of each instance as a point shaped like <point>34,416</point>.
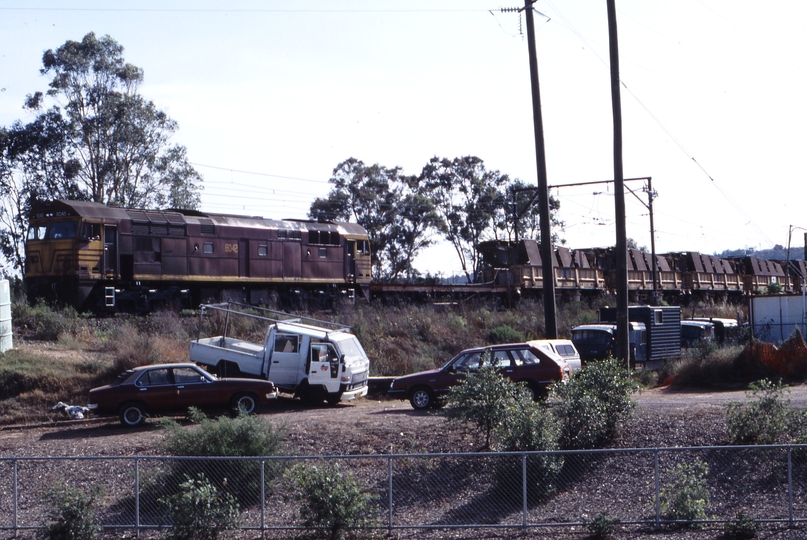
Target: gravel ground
<point>663,419</point>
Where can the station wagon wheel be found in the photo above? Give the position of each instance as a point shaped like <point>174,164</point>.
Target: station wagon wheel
<point>243,403</point>
<point>535,393</point>
<point>132,414</point>
<point>421,398</point>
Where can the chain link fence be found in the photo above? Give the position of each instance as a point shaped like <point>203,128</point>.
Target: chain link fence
<point>433,491</point>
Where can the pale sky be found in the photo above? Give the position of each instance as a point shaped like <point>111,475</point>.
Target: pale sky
<point>271,95</point>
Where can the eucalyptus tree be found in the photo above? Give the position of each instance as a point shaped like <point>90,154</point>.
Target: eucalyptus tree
<point>398,215</point>
<point>94,137</point>
<point>468,199</point>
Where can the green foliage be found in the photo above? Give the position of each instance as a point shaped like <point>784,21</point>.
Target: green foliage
<point>199,511</point>
<point>41,321</point>
<point>646,378</point>
<point>94,138</point>
<point>331,501</point>
<point>70,514</point>
<point>482,399</point>
<point>528,426</point>
<point>742,527</point>
<point>594,404</point>
<point>773,288</point>
<point>245,435</point>
<point>601,526</point>
<point>685,496</point>
<point>505,334</point>
<point>395,209</point>
<point>766,418</point>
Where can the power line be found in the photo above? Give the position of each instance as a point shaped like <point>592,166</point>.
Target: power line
<point>260,173</point>
<point>198,10</point>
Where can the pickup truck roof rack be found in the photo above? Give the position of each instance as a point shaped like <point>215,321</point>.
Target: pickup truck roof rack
<point>270,315</point>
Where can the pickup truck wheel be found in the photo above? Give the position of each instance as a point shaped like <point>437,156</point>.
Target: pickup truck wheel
<point>334,398</point>
<point>132,414</point>
<point>421,398</point>
<point>243,403</point>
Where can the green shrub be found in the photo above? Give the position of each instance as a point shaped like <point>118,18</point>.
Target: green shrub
<point>199,511</point>
<point>70,514</point>
<point>245,435</point>
<point>742,527</point>
<point>773,288</point>
<point>601,526</point>
<point>331,501</point>
<point>505,334</point>
<point>766,418</point>
<point>593,404</point>
<point>686,496</point>
<point>42,321</point>
<point>482,399</point>
<point>528,426</point>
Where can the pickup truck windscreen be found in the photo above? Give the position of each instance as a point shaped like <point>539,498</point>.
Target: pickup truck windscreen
<point>351,348</point>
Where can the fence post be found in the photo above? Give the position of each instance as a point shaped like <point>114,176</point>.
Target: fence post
<point>137,497</point>
<point>790,483</point>
<point>524,490</point>
<point>263,497</point>
<point>658,488</point>
<point>389,494</point>
<point>16,497</point>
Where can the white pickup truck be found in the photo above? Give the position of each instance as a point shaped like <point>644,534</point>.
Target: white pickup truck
<point>311,359</point>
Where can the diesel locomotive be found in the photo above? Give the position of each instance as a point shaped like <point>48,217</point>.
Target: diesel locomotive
<point>106,259</point>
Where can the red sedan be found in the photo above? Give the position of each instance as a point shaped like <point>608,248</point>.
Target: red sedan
<point>519,362</point>
<point>164,388</point>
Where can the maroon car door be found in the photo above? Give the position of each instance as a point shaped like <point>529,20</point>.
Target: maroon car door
<point>533,365</point>
<point>193,389</point>
<point>154,388</point>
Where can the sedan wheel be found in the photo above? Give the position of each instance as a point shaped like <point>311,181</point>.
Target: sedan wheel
<point>132,414</point>
<point>244,403</point>
<point>422,398</point>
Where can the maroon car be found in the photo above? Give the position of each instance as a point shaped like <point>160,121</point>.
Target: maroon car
<point>164,388</point>
<point>537,368</point>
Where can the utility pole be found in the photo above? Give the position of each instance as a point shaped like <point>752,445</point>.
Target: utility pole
<point>547,253</point>
<point>622,338</point>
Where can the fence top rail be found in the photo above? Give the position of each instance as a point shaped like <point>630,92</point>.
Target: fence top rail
<point>426,455</point>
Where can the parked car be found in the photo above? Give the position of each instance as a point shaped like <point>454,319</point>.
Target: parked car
<point>162,388</point>
<point>517,361</point>
<point>562,347</point>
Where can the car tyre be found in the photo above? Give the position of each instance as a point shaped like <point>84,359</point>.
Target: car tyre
<point>421,398</point>
<point>244,403</point>
<point>534,391</point>
<point>132,415</point>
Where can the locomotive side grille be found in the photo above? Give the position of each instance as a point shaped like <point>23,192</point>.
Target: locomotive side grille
<point>207,226</point>
<point>175,218</point>
<point>156,217</point>
<point>137,215</point>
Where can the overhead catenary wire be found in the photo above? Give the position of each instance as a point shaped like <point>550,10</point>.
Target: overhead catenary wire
<point>747,218</point>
